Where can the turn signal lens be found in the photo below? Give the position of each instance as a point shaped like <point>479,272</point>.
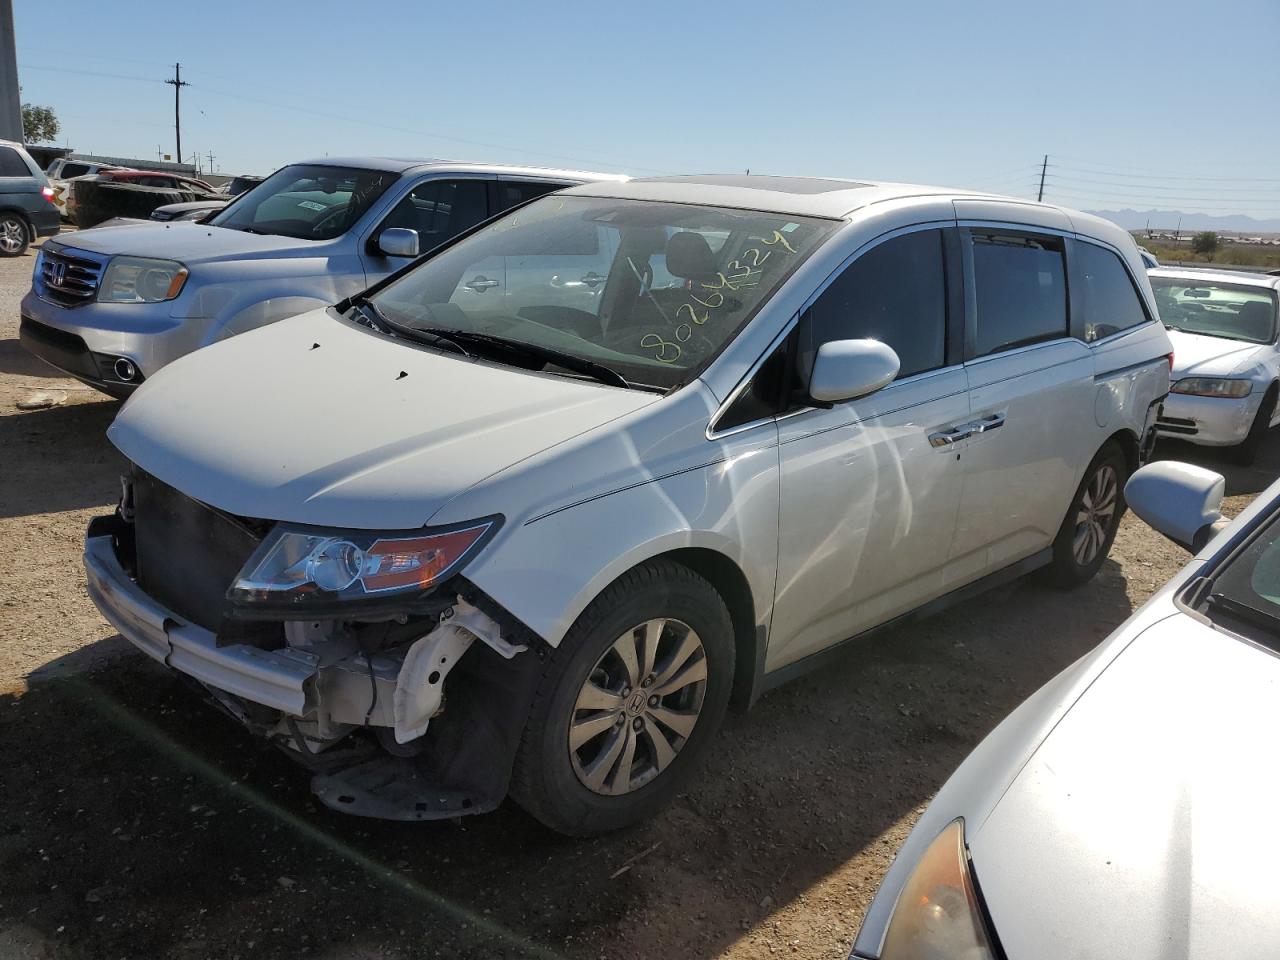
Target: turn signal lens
<point>938,913</point>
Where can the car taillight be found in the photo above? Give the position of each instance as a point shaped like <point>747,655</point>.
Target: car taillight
<point>47,193</point>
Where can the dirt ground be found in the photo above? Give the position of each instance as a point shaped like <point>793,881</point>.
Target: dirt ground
<point>137,823</point>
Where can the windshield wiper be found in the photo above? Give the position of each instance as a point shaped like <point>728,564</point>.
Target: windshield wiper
<point>428,338</point>
<point>597,371</point>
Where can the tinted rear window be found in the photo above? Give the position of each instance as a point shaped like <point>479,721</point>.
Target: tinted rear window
<point>1021,291</point>
<point>1111,302</point>
<point>12,164</point>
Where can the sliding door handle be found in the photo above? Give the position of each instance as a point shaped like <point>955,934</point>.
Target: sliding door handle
<point>992,421</point>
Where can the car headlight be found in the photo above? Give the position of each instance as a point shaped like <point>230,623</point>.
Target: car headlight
<point>938,915</point>
<point>305,567</point>
<point>142,280</point>
<point>1213,387</point>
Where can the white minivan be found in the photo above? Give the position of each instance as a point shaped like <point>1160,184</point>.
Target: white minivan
<point>525,516</point>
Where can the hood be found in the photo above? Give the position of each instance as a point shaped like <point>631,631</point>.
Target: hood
<point>1142,827</point>
<point>1195,355</point>
<point>190,243</point>
<point>314,421</point>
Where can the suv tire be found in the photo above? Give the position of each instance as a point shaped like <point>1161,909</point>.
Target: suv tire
<point>15,235</point>
<point>1090,525</point>
<point>659,627</point>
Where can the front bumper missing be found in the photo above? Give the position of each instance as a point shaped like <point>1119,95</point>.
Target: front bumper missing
<point>290,680</point>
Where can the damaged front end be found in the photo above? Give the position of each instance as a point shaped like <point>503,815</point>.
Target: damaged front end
<point>335,646</point>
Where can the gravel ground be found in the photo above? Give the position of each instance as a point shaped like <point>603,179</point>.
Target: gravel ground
<point>137,823</point>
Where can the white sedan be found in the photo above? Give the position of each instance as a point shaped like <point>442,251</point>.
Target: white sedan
<point>1226,366</point>
<point>1123,810</point>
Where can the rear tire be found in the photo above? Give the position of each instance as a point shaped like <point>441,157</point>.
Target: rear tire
<point>15,235</point>
<point>1246,453</point>
<point>1090,525</point>
<point>628,704</point>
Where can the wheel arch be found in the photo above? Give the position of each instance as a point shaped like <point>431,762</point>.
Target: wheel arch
<point>22,215</point>
<point>1129,444</point>
<point>729,580</point>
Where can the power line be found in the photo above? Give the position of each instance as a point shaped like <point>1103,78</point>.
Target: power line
<point>1094,166</point>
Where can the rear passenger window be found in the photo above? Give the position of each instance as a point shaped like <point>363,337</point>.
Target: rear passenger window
<point>896,292</point>
<point>1106,292</point>
<point>12,164</point>
<point>70,170</point>
<point>1021,290</point>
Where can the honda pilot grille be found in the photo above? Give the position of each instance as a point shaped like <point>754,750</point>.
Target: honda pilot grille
<point>69,279</point>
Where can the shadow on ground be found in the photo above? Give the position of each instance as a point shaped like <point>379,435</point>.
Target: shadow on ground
<point>58,459</point>
<point>136,821</point>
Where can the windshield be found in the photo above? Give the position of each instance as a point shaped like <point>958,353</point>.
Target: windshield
<point>651,290</point>
<point>309,202</point>
<point>1236,311</point>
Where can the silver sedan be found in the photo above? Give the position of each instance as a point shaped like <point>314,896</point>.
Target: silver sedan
<point>1123,810</point>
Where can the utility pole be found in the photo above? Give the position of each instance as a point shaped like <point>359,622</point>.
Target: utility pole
<point>211,161</point>
<point>1043,167</point>
<point>10,106</point>
<point>177,83</point>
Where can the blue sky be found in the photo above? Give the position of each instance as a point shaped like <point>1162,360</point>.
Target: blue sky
<point>1138,104</point>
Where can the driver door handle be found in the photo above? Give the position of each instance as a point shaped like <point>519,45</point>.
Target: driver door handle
<point>480,284</point>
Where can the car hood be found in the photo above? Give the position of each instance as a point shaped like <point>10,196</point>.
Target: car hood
<point>314,421</point>
<point>191,243</point>
<point>1143,826</point>
<point>1195,355</point>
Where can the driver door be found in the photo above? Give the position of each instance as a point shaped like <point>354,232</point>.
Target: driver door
<point>438,209</point>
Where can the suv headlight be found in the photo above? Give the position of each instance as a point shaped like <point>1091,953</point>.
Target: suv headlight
<point>142,280</point>
<point>306,567</point>
<point>1213,387</point>
<point>938,915</point>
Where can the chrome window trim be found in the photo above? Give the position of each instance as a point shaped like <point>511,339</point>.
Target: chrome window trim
<point>713,434</point>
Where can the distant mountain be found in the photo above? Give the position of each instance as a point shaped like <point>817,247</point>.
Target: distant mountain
<point>1168,220</point>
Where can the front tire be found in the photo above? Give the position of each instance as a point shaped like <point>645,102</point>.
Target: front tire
<point>628,704</point>
<point>1090,525</point>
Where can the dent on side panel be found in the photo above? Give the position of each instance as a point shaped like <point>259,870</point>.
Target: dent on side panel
<point>546,568</point>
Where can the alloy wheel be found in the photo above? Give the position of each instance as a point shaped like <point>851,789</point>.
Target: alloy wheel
<point>1093,518</point>
<point>12,235</point>
<point>638,707</point>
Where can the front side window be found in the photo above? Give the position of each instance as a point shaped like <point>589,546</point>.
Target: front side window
<point>1111,302</point>
<point>1211,308</point>
<point>652,290</point>
<point>896,293</point>
<point>1244,593</point>
<point>307,202</point>
<point>1021,290</point>
<point>439,210</point>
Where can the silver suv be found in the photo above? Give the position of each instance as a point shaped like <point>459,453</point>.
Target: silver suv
<point>112,306</point>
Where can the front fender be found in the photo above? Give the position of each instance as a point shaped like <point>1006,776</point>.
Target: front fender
<point>261,313</point>
<point>546,570</point>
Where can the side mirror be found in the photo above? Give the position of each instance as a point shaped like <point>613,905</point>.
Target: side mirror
<point>398,242</point>
<point>848,369</point>
<point>1181,501</point>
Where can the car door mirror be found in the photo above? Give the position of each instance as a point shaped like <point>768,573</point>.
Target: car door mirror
<point>848,369</point>
<point>398,242</point>
<point>1179,500</point>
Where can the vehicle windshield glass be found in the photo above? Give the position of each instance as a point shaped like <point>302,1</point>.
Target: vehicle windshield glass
<point>651,290</point>
<point>1236,311</point>
<point>1247,587</point>
<point>309,202</point>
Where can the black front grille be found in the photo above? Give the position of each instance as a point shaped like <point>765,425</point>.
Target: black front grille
<point>188,553</point>
<point>69,279</point>
<point>1177,425</point>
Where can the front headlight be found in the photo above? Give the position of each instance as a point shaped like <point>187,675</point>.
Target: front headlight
<point>938,915</point>
<point>142,280</point>
<point>305,567</point>
<point>1213,387</point>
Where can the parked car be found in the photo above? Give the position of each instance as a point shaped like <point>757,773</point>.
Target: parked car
<point>1226,366</point>
<point>191,210</point>
<point>581,474</point>
<point>94,199</point>
<point>238,185</point>
<point>1108,815</point>
<point>112,306</point>
<point>26,201</point>
<point>64,169</point>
